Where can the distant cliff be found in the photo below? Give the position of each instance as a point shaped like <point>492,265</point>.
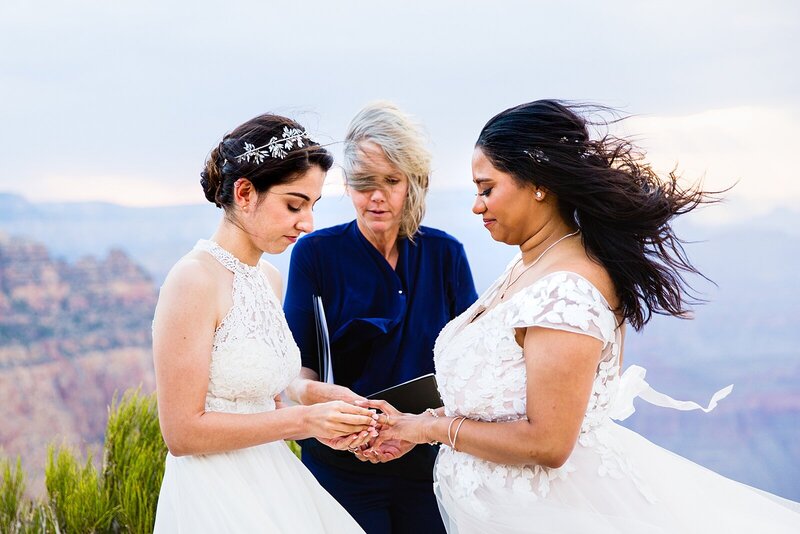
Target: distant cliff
<point>71,334</point>
<point>746,334</point>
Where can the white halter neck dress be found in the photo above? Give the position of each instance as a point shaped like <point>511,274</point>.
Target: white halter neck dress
<point>257,489</point>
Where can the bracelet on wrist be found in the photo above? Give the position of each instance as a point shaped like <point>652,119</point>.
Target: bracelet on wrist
<point>435,415</point>
<point>455,436</point>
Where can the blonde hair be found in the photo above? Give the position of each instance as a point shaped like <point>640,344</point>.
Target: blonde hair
<point>403,143</point>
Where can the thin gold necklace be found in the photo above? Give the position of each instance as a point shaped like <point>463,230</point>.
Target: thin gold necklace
<point>512,282</point>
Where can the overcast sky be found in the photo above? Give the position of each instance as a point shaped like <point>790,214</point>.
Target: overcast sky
<point>121,101</point>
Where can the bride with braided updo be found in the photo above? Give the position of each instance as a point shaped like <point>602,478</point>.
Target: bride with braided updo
<point>223,352</point>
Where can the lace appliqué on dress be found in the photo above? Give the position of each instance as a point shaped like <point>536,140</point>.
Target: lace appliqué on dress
<point>254,356</point>
<point>481,373</point>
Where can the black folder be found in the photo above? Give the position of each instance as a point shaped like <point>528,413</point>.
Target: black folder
<point>413,396</point>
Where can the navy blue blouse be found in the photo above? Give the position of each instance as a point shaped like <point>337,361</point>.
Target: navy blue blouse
<point>382,322</point>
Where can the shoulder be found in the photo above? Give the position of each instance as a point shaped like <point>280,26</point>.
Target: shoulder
<point>586,275</point>
<point>324,237</point>
<point>196,271</point>
<point>192,284</point>
<point>331,232</point>
<point>434,237</point>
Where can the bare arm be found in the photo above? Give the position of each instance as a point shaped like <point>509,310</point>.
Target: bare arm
<point>307,389</point>
<point>560,369</point>
<point>183,330</point>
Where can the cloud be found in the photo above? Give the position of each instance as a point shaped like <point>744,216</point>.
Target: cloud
<point>126,190</point>
<point>750,146</point>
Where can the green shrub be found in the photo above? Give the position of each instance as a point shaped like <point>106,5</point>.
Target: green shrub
<point>122,498</point>
<point>134,461</point>
<point>76,494</point>
<point>295,448</point>
<point>12,488</point>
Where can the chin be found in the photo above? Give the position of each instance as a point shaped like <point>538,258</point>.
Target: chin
<point>275,249</point>
<point>499,238</point>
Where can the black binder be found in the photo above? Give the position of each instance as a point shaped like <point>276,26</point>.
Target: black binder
<point>413,396</point>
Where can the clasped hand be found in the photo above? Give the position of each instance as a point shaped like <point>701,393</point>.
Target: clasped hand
<point>394,435</point>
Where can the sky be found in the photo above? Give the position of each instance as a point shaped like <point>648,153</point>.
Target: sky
<point>122,101</point>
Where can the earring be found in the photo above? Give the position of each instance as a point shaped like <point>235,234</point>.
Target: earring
<point>538,195</point>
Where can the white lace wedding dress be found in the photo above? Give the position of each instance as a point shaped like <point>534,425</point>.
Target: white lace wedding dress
<point>257,489</point>
<point>615,481</point>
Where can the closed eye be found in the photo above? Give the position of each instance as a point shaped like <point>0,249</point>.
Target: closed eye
<point>485,192</point>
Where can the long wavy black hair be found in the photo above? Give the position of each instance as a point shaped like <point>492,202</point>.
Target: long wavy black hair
<point>604,187</point>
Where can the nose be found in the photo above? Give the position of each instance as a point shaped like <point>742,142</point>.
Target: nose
<point>377,195</point>
<point>306,223</point>
<point>479,206</point>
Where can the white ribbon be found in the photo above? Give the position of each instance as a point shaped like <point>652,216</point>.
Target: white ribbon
<point>632,385</point>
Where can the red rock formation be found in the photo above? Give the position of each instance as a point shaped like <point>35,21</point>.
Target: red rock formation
<point>71,335</point>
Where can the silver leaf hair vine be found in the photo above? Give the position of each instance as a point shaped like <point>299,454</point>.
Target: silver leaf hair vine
<point>275,148</point>
<point>538,155</point>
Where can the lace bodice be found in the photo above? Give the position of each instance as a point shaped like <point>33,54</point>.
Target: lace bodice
<point>254,356</point>
<point>480,369</point>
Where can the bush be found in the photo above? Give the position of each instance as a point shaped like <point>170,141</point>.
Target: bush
<point>76,493</point>
<point>134,461</point>
<point>12,488</point>
<point>18,515</point>
<point>120,498</point>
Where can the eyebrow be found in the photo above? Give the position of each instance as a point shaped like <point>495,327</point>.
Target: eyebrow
<point>299,195</point>
<point>479,181</point>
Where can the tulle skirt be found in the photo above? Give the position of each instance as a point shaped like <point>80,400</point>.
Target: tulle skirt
<point>258,489</point>
<point>681,497</point>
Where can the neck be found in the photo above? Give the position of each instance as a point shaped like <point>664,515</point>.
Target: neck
<point>533,247</point>
<point>237,242</point>
<point>384,242</point>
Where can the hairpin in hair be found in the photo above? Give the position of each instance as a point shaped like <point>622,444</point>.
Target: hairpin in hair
<point>275,148</point>
<point>537,155</point>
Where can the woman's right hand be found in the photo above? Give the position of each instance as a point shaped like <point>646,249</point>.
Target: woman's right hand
<point>337,418</point>
<point>316,392</point>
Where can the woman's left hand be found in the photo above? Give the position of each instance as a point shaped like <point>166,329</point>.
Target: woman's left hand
<point>351,443</point>
<point>396,425</point>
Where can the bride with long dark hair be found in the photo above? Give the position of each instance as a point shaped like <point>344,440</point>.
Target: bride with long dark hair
<point>531,373</point>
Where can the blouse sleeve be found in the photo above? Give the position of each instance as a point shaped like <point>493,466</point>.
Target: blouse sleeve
<point>298,303</point>
<point>563,301</point>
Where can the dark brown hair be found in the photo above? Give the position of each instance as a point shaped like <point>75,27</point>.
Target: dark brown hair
<point>605,188</point>
<point>223,169</point>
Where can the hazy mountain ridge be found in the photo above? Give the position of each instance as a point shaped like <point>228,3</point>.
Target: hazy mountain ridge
<point>71,335</point>
<point>51,308</point>
<point>746,334</point>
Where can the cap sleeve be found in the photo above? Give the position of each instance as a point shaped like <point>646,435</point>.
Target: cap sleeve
<point>563,301</point>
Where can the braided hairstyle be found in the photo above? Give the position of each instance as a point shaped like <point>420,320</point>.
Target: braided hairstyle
<point>223,168</point>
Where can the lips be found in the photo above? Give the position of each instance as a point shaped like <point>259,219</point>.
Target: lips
<point>291,238</point>
<point>489,222</point>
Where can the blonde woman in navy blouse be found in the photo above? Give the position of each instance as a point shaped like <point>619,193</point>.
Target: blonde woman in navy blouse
<point>388,286</point>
